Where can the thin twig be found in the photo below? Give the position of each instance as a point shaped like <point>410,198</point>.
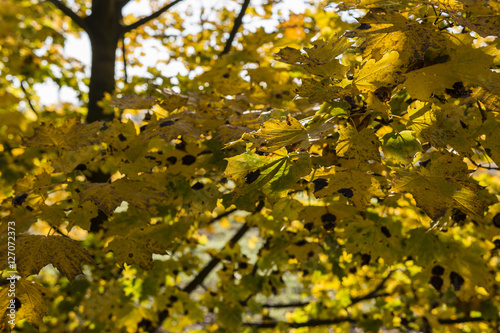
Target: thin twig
<point>27,96</point>
<point>124,54</point>
<point>237,23</point>
<point>482,166</point>
<point>146,19</point>
<point>71,14</point>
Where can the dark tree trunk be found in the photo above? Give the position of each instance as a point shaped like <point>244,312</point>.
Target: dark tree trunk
<point>104,29</point>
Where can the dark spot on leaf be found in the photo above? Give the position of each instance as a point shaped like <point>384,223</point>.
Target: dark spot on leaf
<point>383,94</point>
<point>150,157</point>
<point>456,280</point>
<point>17,303</point>
<point>309,226</point>
<point>81,167</point>
<point>310,254</point>
<point>130,255</point>
<point>278,96</point>
<point>197,186</point>
<point>252,176</point>
<point>225,75</point>
<point>346,192</point>
<point>122,137</point>
<point>496,220</point>
<point>320,184</point>
<point>29,208</point>
<point>365,259</point>
<point>172,160</point>
<point>167,123</point>
<point>437,270</point>
<point>458,90</point>
<point>436,282</point>
<point>181,146</point>
<point>188,160</point>
<point>173,299</point>
<point>19,199</point>
<point>385,231</point>
<point>328,221</point>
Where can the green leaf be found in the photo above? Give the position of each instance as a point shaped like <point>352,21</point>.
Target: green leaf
<point>400,146</point>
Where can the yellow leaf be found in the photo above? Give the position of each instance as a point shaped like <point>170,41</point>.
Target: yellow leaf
<point>27,301</point>
<point>35,252</point>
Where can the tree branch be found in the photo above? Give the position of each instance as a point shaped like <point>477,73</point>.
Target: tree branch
<point>146,19</point>
<point>323,322</point>
<point>68,12</point>
<point>309,323</point>
<point>27,96</point>
<point>237,24</point>
<point>462,320</point>
<point>124,54</point>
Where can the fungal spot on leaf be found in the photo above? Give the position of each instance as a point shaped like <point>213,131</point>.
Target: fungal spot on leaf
<point>496,220</point>
<point>252,176</point>
<point>225,75</point>
<point>172,160</point>
<point>437,270</point>
<point>188,160</point>
<point>458,90</point>
<point>328,221</point>
<point>436,282</point>
<point>181,146</point>
<point>122,137</point>
<point>385,231</point>
<point>365,259</point>
<point>309,226</point>
<point>320,184</point>
<point>19,199</point>
<point>456,280</point>
<point>17,303</point>
<point>346,192</point>
<point>197,186</point>
<point>130,255</point>
<point>167,123</point>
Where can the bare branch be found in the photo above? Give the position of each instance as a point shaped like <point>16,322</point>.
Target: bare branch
<point>27,96</point>
<point>68,12</point>
<point>237,24</point>
<point>309,323</point>
<point>286,305</point>
<point>146,19</point>
<point>124,54</point>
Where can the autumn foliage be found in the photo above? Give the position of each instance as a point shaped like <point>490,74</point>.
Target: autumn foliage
<point>338,172</point>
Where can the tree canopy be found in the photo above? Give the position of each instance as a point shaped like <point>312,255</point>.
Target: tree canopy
<point>338,171</point>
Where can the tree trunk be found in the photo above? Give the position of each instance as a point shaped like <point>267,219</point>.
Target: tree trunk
<point>104,33</point>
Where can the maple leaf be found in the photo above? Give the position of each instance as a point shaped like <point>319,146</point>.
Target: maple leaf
<point>28,302</point>
<point>72,135</point>
<point>35,252</point>
<point>140,244</point>
<point>108,196</point>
